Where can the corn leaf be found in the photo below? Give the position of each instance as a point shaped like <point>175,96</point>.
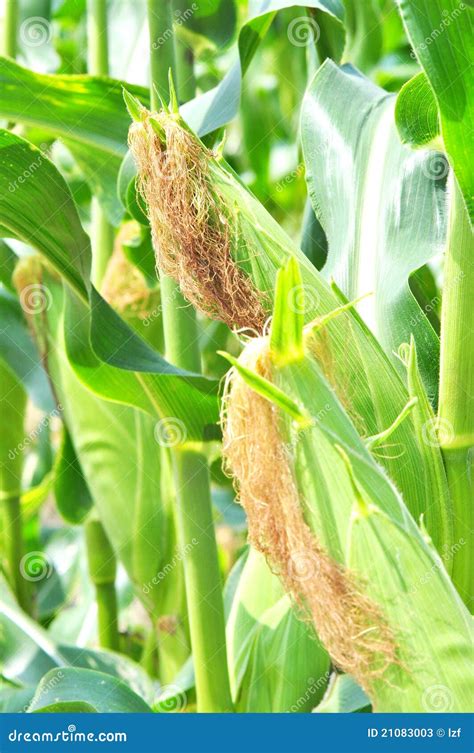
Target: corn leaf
<point>276,662</point>
<point>130,492</point>
<point>360,518</point>
<point>343,696</point>
<point>441,33</point>
<point>144,378</point>
<point>86,112</point>
<point>103,693</point>
<point>416,112</point>
<point>383,211</point>
<point>20,353</point>
<point>72,495</point>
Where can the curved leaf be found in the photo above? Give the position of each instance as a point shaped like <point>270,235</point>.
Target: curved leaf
<point>86,112</point>
<point>39,209</point>
<point>20,353</point>
<point>36,206</point>
<point>416,112</point>
<point>442,35</point>
<point>382,206</point>
<point>105,694</point>
<point>276,662</point>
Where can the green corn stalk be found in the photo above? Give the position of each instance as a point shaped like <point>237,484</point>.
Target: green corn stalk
<point>455,426</point>
<point>421,630</point>
<point>12,409</point>
<point>191,474</point>
<point>102,232</point>
<point>10,21</point>
<point>103,571</point>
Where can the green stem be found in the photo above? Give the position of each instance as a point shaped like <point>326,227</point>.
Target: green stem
<point>102,232</point>
<point>184,62</point>
<point>12,409</point>
<point>456,402</point>
<point>10,28</point>
<point>102,571</point>
<point>194,521</point>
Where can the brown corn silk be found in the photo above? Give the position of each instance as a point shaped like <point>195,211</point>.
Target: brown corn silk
<point>351,627</point>
<point>193,230</point>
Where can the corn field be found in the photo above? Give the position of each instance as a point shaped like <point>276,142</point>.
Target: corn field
<point>236,356</point>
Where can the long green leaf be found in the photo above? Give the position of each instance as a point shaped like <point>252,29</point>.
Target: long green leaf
<point>105,694</point>
<point>276,662</point>
<point>383,211</point>
<point>442,35</point>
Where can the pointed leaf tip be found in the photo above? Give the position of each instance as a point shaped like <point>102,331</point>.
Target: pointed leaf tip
<point>135,108</point>
<point>174,105</point>
<point>162,102</point>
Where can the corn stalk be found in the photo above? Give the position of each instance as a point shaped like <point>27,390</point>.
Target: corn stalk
<point>456,412</point>
<point>102,232</point>
<point>191,474</point>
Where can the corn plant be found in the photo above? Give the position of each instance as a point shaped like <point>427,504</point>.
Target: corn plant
<point>256,392</point>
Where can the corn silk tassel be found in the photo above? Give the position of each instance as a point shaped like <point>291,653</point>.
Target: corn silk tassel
<point>336,530</point>
<point>225,250</point>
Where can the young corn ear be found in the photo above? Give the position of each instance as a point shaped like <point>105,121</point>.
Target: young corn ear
<point>337,531</point>
<point>225,250</point>
<point>193,229</point>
